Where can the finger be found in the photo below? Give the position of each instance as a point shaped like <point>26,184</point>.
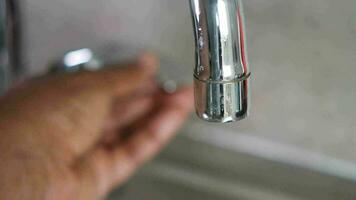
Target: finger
<point>111,168</point>
<point>151,135</point>
<point>118,80</point>
<point>125,114</point>
<point>148,87</point>
<point>81,102</point>
<point>126,110</point>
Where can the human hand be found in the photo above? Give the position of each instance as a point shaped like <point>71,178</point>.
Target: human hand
<point>77,136</point>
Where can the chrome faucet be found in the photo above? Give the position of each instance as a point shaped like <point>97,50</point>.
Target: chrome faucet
<point>221,73</point>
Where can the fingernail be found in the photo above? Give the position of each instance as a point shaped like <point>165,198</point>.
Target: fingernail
<point>147,87</point>
<point>170,86</point>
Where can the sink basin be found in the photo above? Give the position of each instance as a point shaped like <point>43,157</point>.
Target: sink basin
<point>191,168</point>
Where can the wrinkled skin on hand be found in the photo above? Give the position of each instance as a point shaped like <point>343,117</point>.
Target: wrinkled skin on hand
<point>77,136</point>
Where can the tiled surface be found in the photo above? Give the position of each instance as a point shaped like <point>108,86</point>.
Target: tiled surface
<point>302,55</point>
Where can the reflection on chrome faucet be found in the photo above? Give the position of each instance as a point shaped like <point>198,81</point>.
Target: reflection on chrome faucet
<point>221,73</point>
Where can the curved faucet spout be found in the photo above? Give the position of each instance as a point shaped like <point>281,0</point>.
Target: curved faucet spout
<point>221,73</point>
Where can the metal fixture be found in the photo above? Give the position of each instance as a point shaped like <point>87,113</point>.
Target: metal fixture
<point>10,43</point>
<point>221,73</point>
<point>80,59</point>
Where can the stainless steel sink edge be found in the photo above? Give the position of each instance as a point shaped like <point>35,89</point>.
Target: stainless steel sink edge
<point>255,146</point>
<point>224,173</point>
<point>206,183</point>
